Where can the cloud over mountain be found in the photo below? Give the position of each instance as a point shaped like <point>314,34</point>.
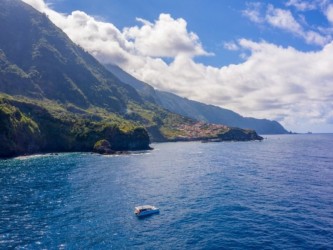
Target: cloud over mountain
<point>166,37</point>
<point>274,82</point>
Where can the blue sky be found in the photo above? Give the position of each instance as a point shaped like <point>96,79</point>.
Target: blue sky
<point>215,22</point>
<point>266,59</point>
<point>207,20</point>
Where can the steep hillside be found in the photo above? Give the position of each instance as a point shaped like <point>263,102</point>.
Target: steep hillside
<point>31,126</point>
<point>56,97</point>
<point>42,62</point>
<point>214,114</point>
<point>147,91</point>
<point>197,110</point>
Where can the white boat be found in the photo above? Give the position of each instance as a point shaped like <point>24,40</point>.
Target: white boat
<point>146,210</point>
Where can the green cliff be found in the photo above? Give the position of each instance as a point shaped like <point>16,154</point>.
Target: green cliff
<point>55,97</point>
<point>27,127</point>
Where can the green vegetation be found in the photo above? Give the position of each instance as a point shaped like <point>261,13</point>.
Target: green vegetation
<point>103,147</point>
<point>102,143</point>
<point>31,126</point>
<point>196,110</point>
<point>19,133</point>
<point>55,97</point>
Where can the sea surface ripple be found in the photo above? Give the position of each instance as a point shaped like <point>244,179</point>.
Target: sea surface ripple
<point>275,194</point>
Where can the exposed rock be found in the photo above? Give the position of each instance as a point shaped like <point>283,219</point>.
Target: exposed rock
<point>236,134</point>
<point>103,147</point>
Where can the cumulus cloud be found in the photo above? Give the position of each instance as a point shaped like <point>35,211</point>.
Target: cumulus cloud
<point>289,80</point>
<point>167,37</point>
<point>273,82</point>
<point>101,39</point>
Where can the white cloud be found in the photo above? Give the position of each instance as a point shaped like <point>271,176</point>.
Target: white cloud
<point>253,12</point>
<point>302,5</point>
<point>312,37</point>
<point>273,82</point>
<point>101,39</point>
<point>324,6</point>
<point>284,20</point>
<point>38,5</point>
<point>309,5</point>
<point>166,37</point>
<point>329,13</point>
<point>231,46</point>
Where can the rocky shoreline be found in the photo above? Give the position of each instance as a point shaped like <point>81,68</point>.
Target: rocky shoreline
<point>103,147</point>
<point>28,128</point>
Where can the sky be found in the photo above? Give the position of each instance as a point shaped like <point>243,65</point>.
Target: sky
<point>264,59</point>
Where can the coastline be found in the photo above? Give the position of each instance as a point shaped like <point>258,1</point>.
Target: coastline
<point>129,152</point>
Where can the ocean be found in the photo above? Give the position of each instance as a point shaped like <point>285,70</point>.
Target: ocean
<point>274,194</point>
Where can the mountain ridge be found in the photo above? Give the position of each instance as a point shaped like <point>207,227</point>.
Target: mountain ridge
<point>197,110</point>
<point>56,97</point>
<point>36,54</point>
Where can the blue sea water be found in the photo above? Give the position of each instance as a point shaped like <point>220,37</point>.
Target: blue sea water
<point>275,194</point>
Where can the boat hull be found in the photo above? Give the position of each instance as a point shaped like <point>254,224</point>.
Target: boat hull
<point>147,213</point>
<point>146,210</point>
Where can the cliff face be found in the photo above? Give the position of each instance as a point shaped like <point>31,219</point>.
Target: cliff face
<point>55,97</point>
<point>19,134</point>
<point>42,62</point>
<point>27,128</point>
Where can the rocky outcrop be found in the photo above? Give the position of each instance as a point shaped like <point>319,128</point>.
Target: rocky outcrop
<point>103,147</point>
<point>236,134</point>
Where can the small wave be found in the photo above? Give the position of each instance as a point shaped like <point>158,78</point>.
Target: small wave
<point>28,157</point>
